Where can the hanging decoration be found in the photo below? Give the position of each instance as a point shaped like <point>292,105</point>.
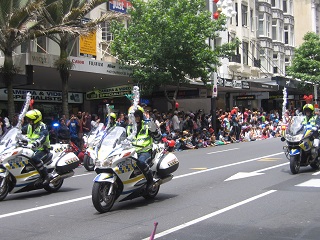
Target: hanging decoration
<point>225,7</point>
<point>284,104</point>
<point>307,98</point>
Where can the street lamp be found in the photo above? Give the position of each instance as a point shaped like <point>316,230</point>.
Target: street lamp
<point>226,8</point>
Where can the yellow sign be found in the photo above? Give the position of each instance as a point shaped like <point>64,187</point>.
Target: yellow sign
<point>88,45</point>
<point>112,92</point>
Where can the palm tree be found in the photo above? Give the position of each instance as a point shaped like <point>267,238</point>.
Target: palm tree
<point>67,16</point>
<point>19,22</point>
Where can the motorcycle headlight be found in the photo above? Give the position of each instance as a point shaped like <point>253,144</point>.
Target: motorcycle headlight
<point>105,163</point>
<point>295,138</point>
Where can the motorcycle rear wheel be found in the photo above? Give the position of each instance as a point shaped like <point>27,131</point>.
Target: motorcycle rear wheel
<point>54,187</point>
<point>3,190</point>
<point>152,193</point>
<point>295,164</point>
<point>315,164</point>
<point>100,198</point>
<point>88,163</point>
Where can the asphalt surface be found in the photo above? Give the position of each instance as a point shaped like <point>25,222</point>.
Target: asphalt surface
<point>236,191</point>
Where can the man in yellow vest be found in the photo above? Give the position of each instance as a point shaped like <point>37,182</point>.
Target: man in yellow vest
<point>38,135</point>
<point>143,144</point>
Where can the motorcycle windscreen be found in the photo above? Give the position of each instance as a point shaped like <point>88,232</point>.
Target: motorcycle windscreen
<point>109,141</point>
<point>295,126</point>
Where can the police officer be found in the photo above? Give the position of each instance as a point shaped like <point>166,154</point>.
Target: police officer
<point>38,135</point>
<point>143,144</point>
<point>310,117</point>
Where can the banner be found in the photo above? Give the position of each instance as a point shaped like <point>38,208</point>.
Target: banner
<point>112,92</point>
<point>41,96</point>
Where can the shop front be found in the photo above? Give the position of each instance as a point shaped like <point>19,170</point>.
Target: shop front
<point>48,102</point>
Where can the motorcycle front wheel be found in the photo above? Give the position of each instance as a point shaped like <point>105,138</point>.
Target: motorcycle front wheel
<point>4,190</point>
<point>54,187</point>
<point>295,164</point>
<point>100,198</point>
<point>88,163</point>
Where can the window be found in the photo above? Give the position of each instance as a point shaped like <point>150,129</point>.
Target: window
<point>244,13</point>
<point>273,3</point>
<point>291,41</point>
<point>105,29</point>
<point>25,47</point>
<point>261,25</point>
<point>274,30</point>
<point>286,34</point>
<point>42,44</point>
<point>285,6</point>
<point>268,26</point>
<point>252,22</point>
<point>237,15</point>
<point>245,49</point>
<point>281,31</point>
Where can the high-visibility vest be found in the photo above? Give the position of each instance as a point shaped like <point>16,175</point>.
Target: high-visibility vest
<point>33,136</point>
<point>142,141</point>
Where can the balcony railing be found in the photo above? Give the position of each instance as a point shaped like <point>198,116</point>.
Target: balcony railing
<point>235,58</point>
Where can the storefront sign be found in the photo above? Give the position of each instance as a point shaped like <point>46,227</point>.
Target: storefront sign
<point>41,59</point>
<point>236,84</point>
<point>246,97</point>
<point>245,85</point>
<point>112,92</point>
<point>88,45</point>
<point>41,96</point>
<point>264,86</point>
<point>94,66</point>
<point>119,5</point>
<point>228,83</point>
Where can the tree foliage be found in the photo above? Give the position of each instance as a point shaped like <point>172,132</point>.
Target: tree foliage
<point>166,42</point>
<point>306,62</point>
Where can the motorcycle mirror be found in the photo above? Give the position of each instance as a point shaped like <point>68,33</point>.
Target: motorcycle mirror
<point>282,139</point>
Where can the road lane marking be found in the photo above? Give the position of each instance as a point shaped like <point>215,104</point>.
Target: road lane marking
<point>316,173</point>
<point>44,207</point>
<point>231,149</point>
<point>80,175</point>
<point>210,215</point>
<point>310,183</point>
<point>225,166</point>
<point>241,175</point>
<point>84,198</point>
<point>269,159</point>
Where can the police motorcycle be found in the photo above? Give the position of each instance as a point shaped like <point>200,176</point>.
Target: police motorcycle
<point>119,178</point>
<point>301,144</point>
<point>90,142</point>
<point>17,174</point>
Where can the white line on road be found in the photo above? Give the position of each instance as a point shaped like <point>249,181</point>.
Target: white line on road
<point>80,175</point>
<point>84,198</point>
<point>316,173</point>
<point>225,166</point>
<point>231,149</point>
<point>268,168</point>
<point>210,215</point>
<point>44,207</point>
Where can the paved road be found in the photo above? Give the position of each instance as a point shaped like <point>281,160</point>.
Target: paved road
<point>237,191</point>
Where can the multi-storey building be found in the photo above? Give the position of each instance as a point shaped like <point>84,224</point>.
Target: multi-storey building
<point>265,29</point>
<point>307,15</point>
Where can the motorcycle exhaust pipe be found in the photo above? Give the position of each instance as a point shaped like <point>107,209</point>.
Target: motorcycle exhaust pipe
<point>63,176</point>
<point>164,180</point>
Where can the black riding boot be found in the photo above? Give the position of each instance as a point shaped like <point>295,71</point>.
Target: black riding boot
<point>145,169</point>
<point>43,173</point>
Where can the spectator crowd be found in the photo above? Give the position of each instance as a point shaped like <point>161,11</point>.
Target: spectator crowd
<point>189,130</point>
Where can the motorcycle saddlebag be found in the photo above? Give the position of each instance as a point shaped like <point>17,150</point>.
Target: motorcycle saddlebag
<point>167,165</point>
<point>67,163</point>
